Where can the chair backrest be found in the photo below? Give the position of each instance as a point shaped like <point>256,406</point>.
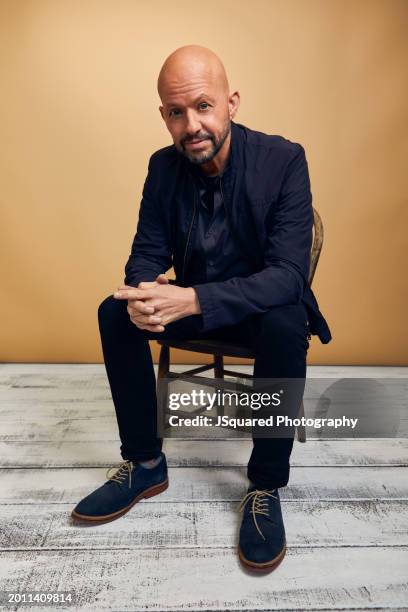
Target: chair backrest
<point>317,244</point>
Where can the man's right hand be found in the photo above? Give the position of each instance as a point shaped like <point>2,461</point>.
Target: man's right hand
<point>141,314</point>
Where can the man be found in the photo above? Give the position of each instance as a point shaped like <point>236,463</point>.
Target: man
<point>230,209</point>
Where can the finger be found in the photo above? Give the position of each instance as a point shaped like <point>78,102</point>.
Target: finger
<point>165,319</point>
<point>140,307</point>
<point>125,287</point>
<point>155,303</point>
<point>133,294</point>
<point>146,284</point>
<point>167,315</point>
<point>162,279</point>
<point>153,328</point>
<point>147,319</point>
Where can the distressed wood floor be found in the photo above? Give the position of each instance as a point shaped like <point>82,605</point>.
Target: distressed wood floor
<point>345,510</point>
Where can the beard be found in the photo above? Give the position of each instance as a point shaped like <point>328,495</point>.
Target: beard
<point>216,145</point>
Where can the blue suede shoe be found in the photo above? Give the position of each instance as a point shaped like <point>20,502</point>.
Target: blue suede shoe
<point>130,483</point>
<point>262,539</point>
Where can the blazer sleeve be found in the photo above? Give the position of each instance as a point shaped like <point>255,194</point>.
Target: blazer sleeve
<point>286,259</point>
<point>150,253</point>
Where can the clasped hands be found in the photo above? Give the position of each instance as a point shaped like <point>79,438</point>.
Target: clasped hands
<point>154,304</point>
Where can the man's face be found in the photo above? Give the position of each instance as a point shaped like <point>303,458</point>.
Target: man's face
<point>197,117</point>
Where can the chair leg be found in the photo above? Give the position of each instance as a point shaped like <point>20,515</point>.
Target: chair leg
<point>301,429</point>
<point>162,379</point>
<point>219,366</point>
<point>219,373</point>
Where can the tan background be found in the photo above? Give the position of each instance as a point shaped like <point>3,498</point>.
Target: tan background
<point>79,119</point>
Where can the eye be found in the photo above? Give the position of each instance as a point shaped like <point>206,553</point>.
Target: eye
<point>203,105</point>
<point>174,111</point>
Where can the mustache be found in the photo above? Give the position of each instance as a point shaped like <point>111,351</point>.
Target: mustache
<point>200,137</point>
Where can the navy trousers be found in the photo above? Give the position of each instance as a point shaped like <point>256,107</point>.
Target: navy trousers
<point>278,338</point>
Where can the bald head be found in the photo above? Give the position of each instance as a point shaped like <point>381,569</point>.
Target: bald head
<point>197,106</point>
<point>191,64</point>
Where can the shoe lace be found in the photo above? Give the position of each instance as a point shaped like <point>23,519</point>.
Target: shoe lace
<point>259,498</point>
<point>123,469</point>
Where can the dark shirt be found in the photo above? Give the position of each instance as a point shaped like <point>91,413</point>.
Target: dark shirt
<point>215,255</point>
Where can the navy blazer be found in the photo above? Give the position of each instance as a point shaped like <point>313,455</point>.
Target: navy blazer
<point>268,205</point>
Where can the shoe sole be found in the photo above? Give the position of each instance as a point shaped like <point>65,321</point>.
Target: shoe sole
<point>268,566</point>
<point>155,490</point>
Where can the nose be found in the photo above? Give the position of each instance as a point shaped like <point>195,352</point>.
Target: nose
<point>193,124</point>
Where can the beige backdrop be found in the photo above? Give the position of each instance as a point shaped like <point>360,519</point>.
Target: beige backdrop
<point>79,120</point>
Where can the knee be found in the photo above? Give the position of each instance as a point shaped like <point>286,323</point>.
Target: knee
<point>111,309</point>
<point>114,319</point>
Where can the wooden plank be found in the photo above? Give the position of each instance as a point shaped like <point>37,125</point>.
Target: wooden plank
<point>90,369</point>
<point>202,579</point>
<point>43,485</point>
<point>79,382</point>
<point>197,453</point>
<point>204,525</point>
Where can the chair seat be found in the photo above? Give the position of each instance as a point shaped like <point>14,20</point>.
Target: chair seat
<point>212,347</point>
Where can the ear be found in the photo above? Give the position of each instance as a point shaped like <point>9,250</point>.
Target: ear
<point>161,111</point>
<point>233,103</point>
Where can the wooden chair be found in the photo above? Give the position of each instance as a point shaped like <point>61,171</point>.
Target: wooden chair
<point>220,348</point>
